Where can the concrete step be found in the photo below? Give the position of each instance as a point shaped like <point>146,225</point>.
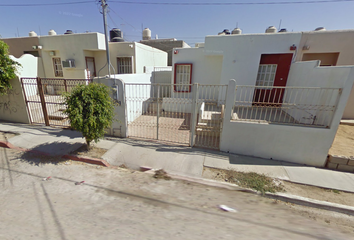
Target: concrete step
<point>209,124</point>
<point>58,116</point>
<point>204,132</point>
<point>211,121</point>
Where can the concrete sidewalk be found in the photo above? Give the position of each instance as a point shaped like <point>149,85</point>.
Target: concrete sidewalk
<point>180,160</point>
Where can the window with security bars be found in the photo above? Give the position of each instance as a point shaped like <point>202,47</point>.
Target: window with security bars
<point>58,68</point>
<point>183,77</point>
<point>266,75</point>
<point>124,65</point>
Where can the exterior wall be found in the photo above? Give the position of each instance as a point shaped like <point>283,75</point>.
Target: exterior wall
<point>302,145</point>
<point>242,53</point>
<point>70,46</point>
<point>142,56</point>
<point>327,42</point>
<point>18,46</point>
<point>205,69</point>
<point>310,74</point>
<point>123,115</point>
<point>13,106</point>
<point>166,45</point>
<point>349,109</point>
<point>119,125</point>
<point>148,56</point>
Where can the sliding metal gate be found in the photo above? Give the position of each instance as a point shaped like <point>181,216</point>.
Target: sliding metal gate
<point>185,114</point>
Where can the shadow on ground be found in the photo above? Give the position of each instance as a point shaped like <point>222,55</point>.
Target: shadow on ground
<point>183,149</point>
<point>49,153</point>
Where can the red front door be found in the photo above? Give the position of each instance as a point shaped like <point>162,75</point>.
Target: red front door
<point>272,76</point>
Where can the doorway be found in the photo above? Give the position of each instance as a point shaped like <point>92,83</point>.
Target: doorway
<point>271,79</point>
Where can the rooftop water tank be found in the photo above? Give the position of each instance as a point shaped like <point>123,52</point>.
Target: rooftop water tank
<point>52,32</point>
<point>32,34</point>
<point>115,33</point>
<point>68,32</point>
<point>320,29</point>
<point>236,31</point>
<point>271,29</point>
<point>117,39</point>
<point>224,32</point>
<point>146,34</point>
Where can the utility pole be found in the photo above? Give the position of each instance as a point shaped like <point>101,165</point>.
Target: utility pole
<point>104,9</point>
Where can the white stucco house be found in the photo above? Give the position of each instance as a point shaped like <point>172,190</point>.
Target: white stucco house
<point>239,56</point>
<point>290,90</point>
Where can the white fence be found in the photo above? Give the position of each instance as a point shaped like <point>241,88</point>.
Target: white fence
<point>286,105</point>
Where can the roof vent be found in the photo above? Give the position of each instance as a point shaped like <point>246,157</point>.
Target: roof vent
<point>320,29</point>
<point>271,29</point>
<point>68,32</point>
<point>32,34</point>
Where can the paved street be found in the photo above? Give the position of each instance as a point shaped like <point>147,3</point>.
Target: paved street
<point>121,204</point>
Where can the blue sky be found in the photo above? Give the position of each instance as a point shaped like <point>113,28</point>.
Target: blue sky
<point>188,23</point>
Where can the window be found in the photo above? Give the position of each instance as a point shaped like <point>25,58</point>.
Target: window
<point>58,69</point>
<point>183,77</point>
<point>266,75</point>
<point>124,65</point>
<point>327,59</point>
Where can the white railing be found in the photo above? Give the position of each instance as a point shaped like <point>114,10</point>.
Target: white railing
<point>162,69</point>
<point>286,105</point>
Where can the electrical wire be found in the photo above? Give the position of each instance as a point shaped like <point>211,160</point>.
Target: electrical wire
<point>44,4</point>
<point>232,3</point>
<point>179,3</point>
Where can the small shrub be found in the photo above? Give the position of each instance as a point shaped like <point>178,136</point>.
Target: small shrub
<point>90,110</point>
<point>8,68</point>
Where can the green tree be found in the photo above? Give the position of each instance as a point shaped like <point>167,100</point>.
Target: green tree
<point>90,110</point>
<point>8,68</point>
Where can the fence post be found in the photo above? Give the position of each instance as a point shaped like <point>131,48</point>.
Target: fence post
<point>230,100</point>
<point>194,114</point>
<point>66,87</point>
<point>158,112</point>
<point>44,107</point>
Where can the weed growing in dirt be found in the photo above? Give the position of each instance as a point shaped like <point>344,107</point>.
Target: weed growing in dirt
<point>259,182</point>
<point>161,174</point>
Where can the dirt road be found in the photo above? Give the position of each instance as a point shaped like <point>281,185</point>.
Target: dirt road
<point>120,204</point>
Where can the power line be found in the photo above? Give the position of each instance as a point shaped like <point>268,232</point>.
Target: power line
<point>232,3</point>
<point>44,4</point>
<point>121,18</point>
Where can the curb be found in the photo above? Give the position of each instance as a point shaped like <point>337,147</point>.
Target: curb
<point>308,202</point>
<point>95,161</point>
<point>213,183</point>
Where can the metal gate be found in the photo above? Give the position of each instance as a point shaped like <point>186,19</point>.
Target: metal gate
<point>185,114</point>
<point>44,99</point>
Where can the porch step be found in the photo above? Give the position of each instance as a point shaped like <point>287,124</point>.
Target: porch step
<point>209,124</point>
<point>207,132</point>
<point>58,116</point>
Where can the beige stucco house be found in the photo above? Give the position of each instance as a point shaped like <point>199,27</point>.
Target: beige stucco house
<point>83,55</point>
